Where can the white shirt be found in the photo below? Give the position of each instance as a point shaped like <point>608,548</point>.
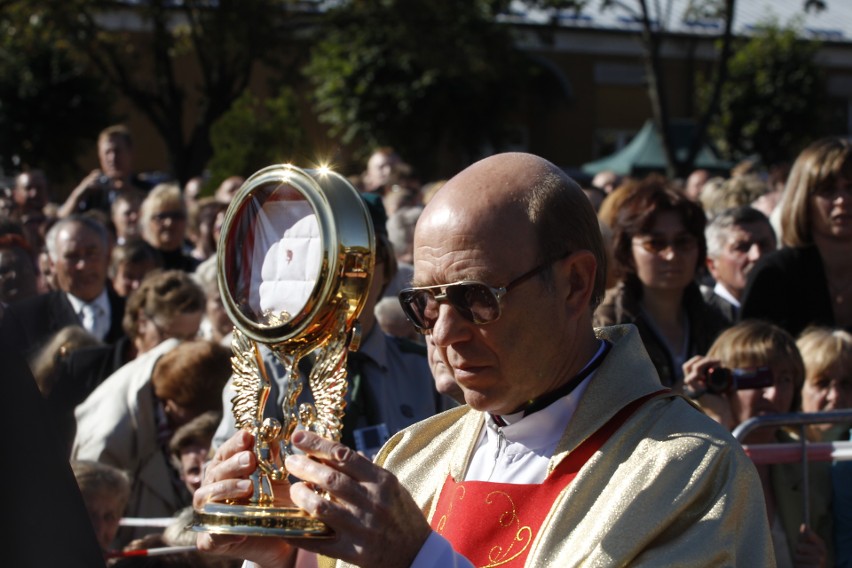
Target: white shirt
<point>102,326</point>
<point>520,451</point>
<point>723,293</point>
<point>516,453</point>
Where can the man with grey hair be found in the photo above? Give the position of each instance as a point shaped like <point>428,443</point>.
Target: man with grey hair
<point>79,249</point>
<point>736,239</point>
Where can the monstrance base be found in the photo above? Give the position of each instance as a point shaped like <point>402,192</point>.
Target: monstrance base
<point>253,520</point>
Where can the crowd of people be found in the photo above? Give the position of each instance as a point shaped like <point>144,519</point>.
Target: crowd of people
<point>647,290</point>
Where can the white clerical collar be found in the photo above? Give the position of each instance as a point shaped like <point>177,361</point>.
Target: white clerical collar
<point>723,293</point>
<point>520,452</point>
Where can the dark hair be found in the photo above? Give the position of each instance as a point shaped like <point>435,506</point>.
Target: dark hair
<point>130,195</point>
<point>554,198</point>
<point>133,251</point>
<point>199,430</point>
<point>639,210</point>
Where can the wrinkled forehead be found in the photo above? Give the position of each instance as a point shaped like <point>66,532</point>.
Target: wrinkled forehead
<point>466,241</point>
<point>77,235</point>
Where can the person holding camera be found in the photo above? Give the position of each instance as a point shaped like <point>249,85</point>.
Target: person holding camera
<point>99,189</point>
<point>754,369</point>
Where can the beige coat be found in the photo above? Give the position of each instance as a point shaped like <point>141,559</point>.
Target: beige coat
<point>670,488</point>
<point>117,425</point>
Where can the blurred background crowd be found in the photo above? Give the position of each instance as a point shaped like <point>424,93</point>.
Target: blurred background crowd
<point>737,272</point>
<point>740,286</point>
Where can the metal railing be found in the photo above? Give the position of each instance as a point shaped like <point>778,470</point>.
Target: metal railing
<point>802,450</point>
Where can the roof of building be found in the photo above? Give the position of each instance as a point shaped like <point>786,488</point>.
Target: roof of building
<point>645,153</point>
<point>832,22</point>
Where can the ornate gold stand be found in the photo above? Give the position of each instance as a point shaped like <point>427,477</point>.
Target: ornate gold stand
<point>256,520</point>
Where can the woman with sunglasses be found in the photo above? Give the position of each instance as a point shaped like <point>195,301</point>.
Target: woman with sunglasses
<point>658,247</point>
<point>809,280</point>
<point>163,219</point>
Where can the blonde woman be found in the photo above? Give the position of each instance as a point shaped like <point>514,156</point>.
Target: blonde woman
<point>753,349</point>
<point>809,281</point>
<point>828,386</point>
<point>163,219</point>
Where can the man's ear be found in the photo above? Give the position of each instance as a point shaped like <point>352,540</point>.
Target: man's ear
<point>711,266</point>
<point>576,278</point>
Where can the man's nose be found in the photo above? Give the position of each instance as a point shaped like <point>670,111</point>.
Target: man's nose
<point>449,326</point>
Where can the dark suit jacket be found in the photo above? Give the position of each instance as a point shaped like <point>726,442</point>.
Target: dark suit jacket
<point>46,520</point>
<point>27,325</point>
<point>79,373</point>
<point>724,306</point>
<point>788,288</point>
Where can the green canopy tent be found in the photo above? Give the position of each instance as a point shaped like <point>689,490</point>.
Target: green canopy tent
<point>644,154</point>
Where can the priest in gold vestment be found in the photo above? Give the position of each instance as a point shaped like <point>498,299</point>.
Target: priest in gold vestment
<point>568,452</point>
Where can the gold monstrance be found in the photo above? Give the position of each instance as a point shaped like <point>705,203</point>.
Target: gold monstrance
<point>295,260</point>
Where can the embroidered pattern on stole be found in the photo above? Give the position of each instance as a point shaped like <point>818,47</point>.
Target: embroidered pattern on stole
<point>494,524</point>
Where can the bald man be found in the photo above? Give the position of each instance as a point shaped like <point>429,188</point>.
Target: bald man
<point>569,451</point>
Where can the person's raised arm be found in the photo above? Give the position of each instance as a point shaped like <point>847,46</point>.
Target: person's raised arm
<point>715,405</point>
<point>89,186</point>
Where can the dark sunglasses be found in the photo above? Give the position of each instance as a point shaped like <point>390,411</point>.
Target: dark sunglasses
<point>475,301</point>
<point>656,245</point>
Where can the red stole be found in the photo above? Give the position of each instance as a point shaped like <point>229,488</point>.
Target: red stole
<point>494,524</point>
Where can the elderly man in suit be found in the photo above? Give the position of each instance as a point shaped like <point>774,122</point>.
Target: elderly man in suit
<point>79,250</point>
<point>736,240</point>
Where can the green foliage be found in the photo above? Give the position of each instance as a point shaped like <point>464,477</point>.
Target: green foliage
<point>51,104</point>
<point>771,104</point>
<point>254,134</point>
<point>418,76</point>
<point>220,43</point>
